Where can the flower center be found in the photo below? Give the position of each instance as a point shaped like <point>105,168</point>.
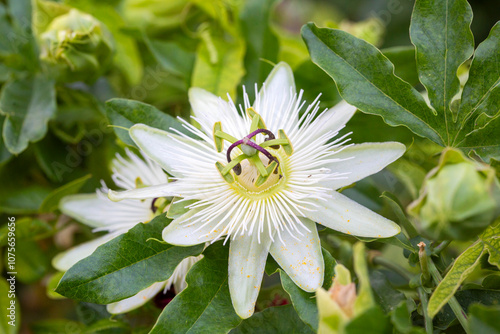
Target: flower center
<point>257,168</point>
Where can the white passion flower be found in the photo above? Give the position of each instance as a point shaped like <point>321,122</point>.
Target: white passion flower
<point>267,186</point>
<point>98,211</point>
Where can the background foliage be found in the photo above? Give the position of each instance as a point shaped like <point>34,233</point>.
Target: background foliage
<point>56,140</point>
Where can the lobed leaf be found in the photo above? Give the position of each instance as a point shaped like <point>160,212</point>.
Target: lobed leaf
<point>365,78</point>
<point>440,31</point>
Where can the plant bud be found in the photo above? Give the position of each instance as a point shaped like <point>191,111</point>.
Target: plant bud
<point>458,200</point>
<point>77,47</point>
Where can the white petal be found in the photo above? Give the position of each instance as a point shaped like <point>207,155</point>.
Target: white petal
<point>127,170</point>
<point>334,119</point>
<point>360,161</point>
<point>345,215</point>
<point>275,99</point>
<point>96,210</point>
<point>301,259</point>
<point>136,301</point>
<point>247,260</point>
<point>181,233</point>
<point>162,190</point>
<point>174,153</point>
<point>65,260</point>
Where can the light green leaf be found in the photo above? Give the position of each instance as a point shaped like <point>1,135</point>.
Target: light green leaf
<point>364,301</point>
<point>482,91</point>
<point>280,319</point>
<point>219,65</point>
<point>125,113</point>
<point>261,43</point>
<point>178,207</point>
<point>5,304</point>
<point>132,258</point>
<point>491,240</point>
<point>440,31</point>
<point>27,228</point>
<point>51,202</point>
<point>305,302</point>
<point>28,105</point>
<point>462,267</point>
<point>31,262</point>
<point>206,302</point>
<point>365,78</point>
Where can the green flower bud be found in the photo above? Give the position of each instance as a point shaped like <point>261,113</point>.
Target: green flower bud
<point>458,200</point>
<point>77,46</point>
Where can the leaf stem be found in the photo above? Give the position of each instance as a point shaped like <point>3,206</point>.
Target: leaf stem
<point>439,248</point>
<point>453,302</point>
<point>428,320</point>
<point>391,265</point>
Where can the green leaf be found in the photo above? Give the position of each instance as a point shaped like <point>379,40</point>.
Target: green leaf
<point>51,202</point>
<point>400,213</point>
<point>485,141</point>
<point>305,302</point>
<point>440,31</point>
<point>24,200</point>
<point>206,302</point>
<point>31,262</point>
<point>129,258</point>
<point>5,303</point>
<point>27,228</point>
<point>364,301</point>
<point>219,65</point>
<point>57,326</point>
<point>125,113</point>
<point>280,319</point>
<point>372,321</point>
<point>178,207</point>
<point>491,240</point>
<point>28,105</point>
<point>171,56</point>
<point>462,267</point>
<point>261,43</point>
<point>365,78</point>
<point>483,319</point>
<point>403,58</point>
<point>52,284</point>
<point>481,93</point>
<point>383,292</point>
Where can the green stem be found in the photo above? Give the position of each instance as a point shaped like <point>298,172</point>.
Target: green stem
<point>391,265</point>
<point>439,248</point>
<point>428,320</point>
<point>453,302</point>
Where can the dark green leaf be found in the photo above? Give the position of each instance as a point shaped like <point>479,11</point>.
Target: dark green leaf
<point>125,113</point>
<point>28,105</point>
<point>205,303</point>
<point>485,141</point>
<point>281,319</point>
<point>484,319</point>
<point>125,265</point>
<point>403,58</point>
<point>305,302</point>
<point>31,262</point>
<point>262,44</point>
<point>482,91</point>
<point>172,57</point>
<point>440,31</point>
<point>372,321</point>
<point>23,200</point>
<point>385,295</point>
<point>51,202</point>
<point>365,78</point>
